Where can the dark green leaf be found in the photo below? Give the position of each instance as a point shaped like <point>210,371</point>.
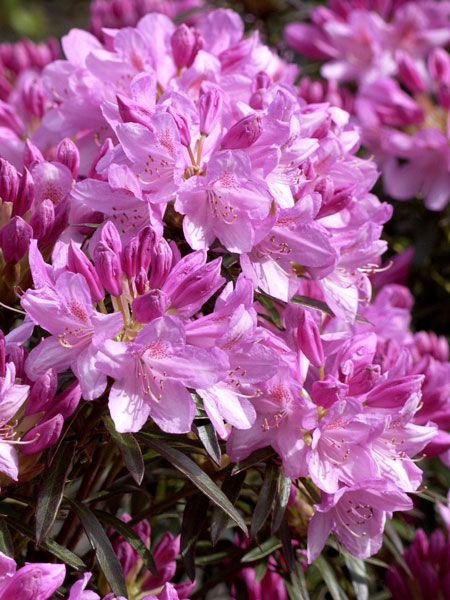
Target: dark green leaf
<point>193,520</point>
<point>266,497</point>
<point>284,490</point>
<point>267,547</point>
<point>260,455</point>
<point>286,542</point>
<point>260,570</point>
<point>61,553</point>
<point>108,561</point>
<point>268,304</point>
<point>6,545</point>
<point>130,536</point>
<point>313,303</point>
<point>231,487</point>
<point>129,449</point>
<point>208,437</point>
<point>198,477</point>
<point>51,489</point>
<point>298,589</point>
<point>330,579</point>
<point>358,574</point>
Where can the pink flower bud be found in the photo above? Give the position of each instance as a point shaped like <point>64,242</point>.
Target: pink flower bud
<point>439,65</point>
<point>42,392</point>
<point>107,265</point>
<point>185,43</point>
<point>150,305</point>
<point>31,155</point>
<point>261,81</point>
<point>111,237</point>
<point>408,72</point>
<point>210,109</point>
<point>78,262</point>
<point>5,88</point>
<point>33,97</point>
<point>146,240</point>
<point>61,219</point>
<point>128,258</point>
<point>130,112</point>
<point>17,355</point>
<point>182,126</point>
<point>67,154</point>
<point>229,57</point>
<point>10,119</point>
<point>328,391</point>
<point>66,402</point>
<point>46,433</point>
<point>161,260</point>
<point>244,133</point>
<point>15,239</point>
<point>9,181</point>
<point>25,195</point>
<point>43,219</point>
<point>308,338</point>
<point>141,281</point>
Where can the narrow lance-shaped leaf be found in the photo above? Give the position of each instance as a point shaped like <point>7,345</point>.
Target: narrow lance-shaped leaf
<point>61,553</point>
<point>260,455</point>
<point>193,519</point>
<point>198,477</point>
<point>130,536</point>
<point>267,547</point>
<point>6,545</point>
<point>358,574</point>
<point>208,437</point>
<point>129,449</point>
<point>284,489</point>
<point>265,498</point>
<point>267,302</point>
<point>330,579</point>
<point>231,487</point>
<point>108,561</point>
<point>51,489</point>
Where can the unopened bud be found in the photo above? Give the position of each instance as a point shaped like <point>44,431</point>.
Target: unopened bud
<point>66,402</point>
<point>308,338</point>
<point>210,109</point>
<point>439,65</point>
<point>33,97</point>
<point>104,149</point>
<point>244,133</point>
<point>10,119</point>
<point>78,262</point>
<point>111,237</point>
<point>25,195</point>
<point>15,239</point>
<point>128,258</point>
<point>161,261</point>
<point>45,435</point>
<point>236,53</point>
<point>107,265</point>
<point>31,155</point>
<point>9,181</point>
<point>130,112</point>
<point>43,219</point>
<point>408,72</point>
<point>150,305</point>
<point>261,81</point>
<point>146,240</point>
<point>182,126</point>
<point>42,392</point>
<point>67,154</point>
<point>185,43</point>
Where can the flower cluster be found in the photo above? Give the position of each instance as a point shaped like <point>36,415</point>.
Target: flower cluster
<point>395,53</point>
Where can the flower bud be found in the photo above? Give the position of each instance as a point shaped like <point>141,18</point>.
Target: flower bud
<point>130,112</point>
<point>104,149</point>
<point>111,237</point>
<point>10,119</point>
<point>43,219</point>
<point>107,265</point>
<point>128,258</point>
<point>66,402</point>
<point>182,126</point>
<point>261,81</point>
<point>31,155</point>
<point>33,97</point>
<point>146,239</point>
<point>439,65</point>
<point>5,88</point>
<point>236,53</point>
<point>67,154</point>
<point>161,261</point>
<point>42,392</point>
<point>210,109</point>
<point>185,44</point>
<point>46,433</point>
<point>17,355</point>
<point>150,305</point>
<point>141,281</point>
<point>408,72</point>
<point>9,181</point>
<point>308,338</point>
<point>15,239</point>
<point>244,133</point>
<point>25,195</point>
<point>78,262</point>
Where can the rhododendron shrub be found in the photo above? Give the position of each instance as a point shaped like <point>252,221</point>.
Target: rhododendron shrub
<point>208,380</point>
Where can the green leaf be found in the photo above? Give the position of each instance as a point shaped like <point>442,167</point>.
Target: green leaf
<point>191,527</point>
<point>284,490</point>
<point>6,545</point>
<point>297,589</point>
<point>286,542</point>
<point>313,303</point>
<point>61,553</point>
<point>129,449</point>
<point>329,576</point>
<point>198,477</point>
<point>358,574</point>
<point>51,489</point>
<point>266,497</point>
<point>267,302</point>
<point>231,487</point>
<point>208,437</point>
<point>267,547</point>
<point>130,536</point>
<point>258,456</point>
<point>108,561</point>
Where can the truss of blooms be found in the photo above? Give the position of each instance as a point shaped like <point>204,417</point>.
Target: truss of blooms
<point>184,231</point>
